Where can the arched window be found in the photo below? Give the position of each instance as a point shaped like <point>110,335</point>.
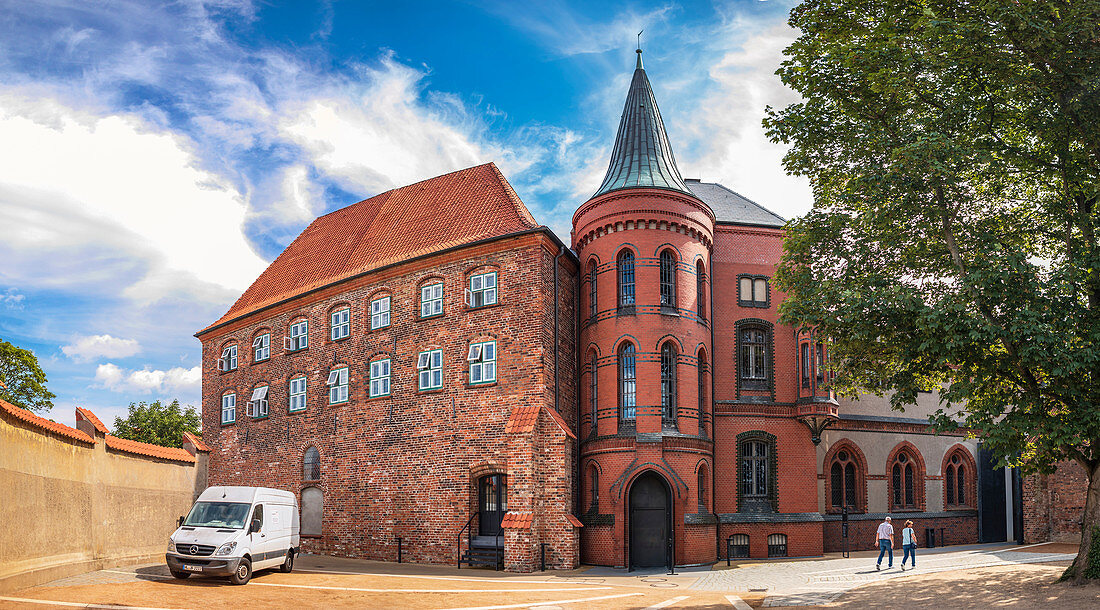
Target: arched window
<point>703,410</point>
<point>311,465</point>
<point>668,279</point>
<point>626,280</point>
<point>903,476</point>
<point>738,546</point>
<point>754,345</point>
<point>668,381</point>
<point>313,506</point>
<point>701,289</point>
<point>593,389</point>
<point>593,488</point>
<point>777,545</point>
<point>627,380</point>
<point>592,289</point>
<point>702,476</point>
<point>843,481</point>
<point>956,473</point>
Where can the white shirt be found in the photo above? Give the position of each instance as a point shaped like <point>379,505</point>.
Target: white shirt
<point>885,531</point>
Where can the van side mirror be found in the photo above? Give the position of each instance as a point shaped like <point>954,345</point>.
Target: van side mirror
<point>255,527</point>
<point>179,522</point>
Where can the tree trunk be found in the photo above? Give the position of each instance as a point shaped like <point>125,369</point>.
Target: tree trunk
<point>1079,571</point>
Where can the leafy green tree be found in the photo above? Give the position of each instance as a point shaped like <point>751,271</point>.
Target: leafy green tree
<point>22,381</point>
<point>954,153</point>
<point>158,424</point>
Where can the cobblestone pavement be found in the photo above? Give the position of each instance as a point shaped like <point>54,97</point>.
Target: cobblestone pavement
<point>813,583</point>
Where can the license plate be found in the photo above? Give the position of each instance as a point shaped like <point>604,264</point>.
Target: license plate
<point>192,568</point>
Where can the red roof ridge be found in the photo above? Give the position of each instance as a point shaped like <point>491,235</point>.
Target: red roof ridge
<point>41,422</point>
<point>558,419</point>
<point>147,449</point>
<point>88,415</point>
<point>573,519</point>
<point>521,209</point>
<point>196,441</point>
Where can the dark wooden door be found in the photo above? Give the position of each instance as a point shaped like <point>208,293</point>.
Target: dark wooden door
<point>649,522</point>
<point>492,501</point>
<point>991,483</point>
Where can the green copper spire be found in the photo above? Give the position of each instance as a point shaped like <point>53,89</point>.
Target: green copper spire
<point>642,157</point>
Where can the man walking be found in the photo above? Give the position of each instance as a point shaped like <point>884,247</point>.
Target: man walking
<point>885,543</point>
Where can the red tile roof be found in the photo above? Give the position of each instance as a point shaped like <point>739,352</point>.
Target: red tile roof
<point>524,420</point>
<point>517,520</point>
<point>429,216</point>
<point>165,453</point>
<point>574,520</point>
<point>44,424</point>
<point>88,415</point>
<point>196,441</point>
<point>558,419</point>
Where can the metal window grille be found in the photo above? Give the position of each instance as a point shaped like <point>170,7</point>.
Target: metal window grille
<point>626,279</point>
<point>592,290</point>
<point>777,545</point>
<point>738,546</point>
<point>754,470</point>
<point>668,279</point>
<point>627,381</point>
<point>668,381</point>
<point>311,465</point>
<point>754,358</point>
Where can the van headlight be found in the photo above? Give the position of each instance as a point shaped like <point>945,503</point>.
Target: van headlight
<point>226,548</point>
<point>171,546</point>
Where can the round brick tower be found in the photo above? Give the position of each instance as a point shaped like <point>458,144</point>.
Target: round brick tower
<point>647,454</point>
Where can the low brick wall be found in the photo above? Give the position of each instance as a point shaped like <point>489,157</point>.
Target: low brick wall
<point>957,529</point>
<point>1054,504</point>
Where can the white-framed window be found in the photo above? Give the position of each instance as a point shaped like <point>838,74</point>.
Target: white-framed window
<point>257,403</point>
<point>229,408</point>
<point>297,394</point>
<point>261,347</point>
<point>338,385</point>
<point>380,378</point>
<point>299,336</point>
<point>341,323</point>
<point>228,361</point>
<point>431,300</point>
<point>483,290</point>
<point>380,313</point>
<point>483,362</point>
<point>430,366</point>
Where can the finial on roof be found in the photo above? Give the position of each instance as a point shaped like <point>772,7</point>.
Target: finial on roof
<point>639,51</point>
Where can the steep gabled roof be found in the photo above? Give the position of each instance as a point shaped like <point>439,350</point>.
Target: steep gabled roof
<point>732,207</point>
<point>430,216</point>
<point>642,157</point>
<point>91,417</point>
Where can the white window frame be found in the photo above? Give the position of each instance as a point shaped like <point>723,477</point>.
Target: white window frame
<point>338,385</point>
<point>257,403</point>
<point>261,347</point>
<point>431,300</point>
<point>483,290</point>
<point>229,406</point>
<point>340,329</point>
<point>429,365</point>
<point>380,313</point>
<point>297,391</point>
<point>380,377</point>
<point>299,336</point>
<point>483,362</point>
<point>229,358</point>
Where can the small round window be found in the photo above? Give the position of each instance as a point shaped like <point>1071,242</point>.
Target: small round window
<point>843,456</point>
<point>903,458</point>
<point>955,459</point>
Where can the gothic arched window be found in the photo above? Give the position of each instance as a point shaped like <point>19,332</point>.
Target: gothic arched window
<point>592,290</point>
<point>626,280</point>
<point>627,381</point>
<point>701,289</point>
<point>668,279</point>
<point>311,465</point>
<point>668,380</point>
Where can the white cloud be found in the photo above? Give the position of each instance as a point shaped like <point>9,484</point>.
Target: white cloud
<point>92,347</point>
<point>11,299</point>
<point>149,381</point>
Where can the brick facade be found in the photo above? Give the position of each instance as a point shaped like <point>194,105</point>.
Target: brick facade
<point>1054,503</point>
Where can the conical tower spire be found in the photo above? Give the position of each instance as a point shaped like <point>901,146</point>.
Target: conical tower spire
<point>642,157</point>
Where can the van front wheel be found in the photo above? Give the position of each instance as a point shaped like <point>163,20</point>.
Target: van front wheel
<point>288,565</point>
<point>243,573</point>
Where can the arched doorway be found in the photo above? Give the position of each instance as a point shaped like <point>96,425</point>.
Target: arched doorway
<point>650,521</point>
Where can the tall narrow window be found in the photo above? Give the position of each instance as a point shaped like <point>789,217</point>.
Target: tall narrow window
<point>668,279</point>
<point>805,351</point>
<point>754,358</point>
<point>341,324</point>
<point>703,404</point>
<point>594,487</point>
<point>701,289</point>
<point>431,300</point>
<point>483,362</point>
<point>626,279</point>
<point>627,379</point>
<point>819,363</point>
<point>380,313</point>
<point>592,304</point>
<point>229,408</point>
<point>954,478</point>
<point>702,489</point>
<point>843,481</point>
<point>311,465</point>
<point>668,381</point>
<point>593,390</point>
<point>903,477</point>
<point>949,482</point>
<point>338,385</point>
<point>960,486</point>
<point>380,378</point>
<point>430,367</point>
<point>754,470</point>
<point>297,394</point>
<point>261,347</point>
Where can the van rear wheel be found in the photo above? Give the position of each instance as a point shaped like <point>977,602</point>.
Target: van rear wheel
<point>243,573</point>
<point>288,565</point>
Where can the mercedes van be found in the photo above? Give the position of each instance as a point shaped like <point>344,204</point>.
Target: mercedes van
<point>234,531</point>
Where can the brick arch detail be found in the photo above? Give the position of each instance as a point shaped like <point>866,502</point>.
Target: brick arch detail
<point>381,291</point>
<point>480,469</point>
<point>627,246</point>
<point>624,338</point>
<point>918,476</point>
<point>860,461</point>
<point>634,470</point>
<point>474,269</point>
<point>967,461</point>
<point>669,246</point>
<point>679,344</point>
<point>342,304</point>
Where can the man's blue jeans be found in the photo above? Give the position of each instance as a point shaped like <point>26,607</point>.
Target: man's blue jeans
<point>885,547</point>
<point>910,552</point>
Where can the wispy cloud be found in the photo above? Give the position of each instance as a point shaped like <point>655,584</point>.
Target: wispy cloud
<point>12,299</point>
<point>93,347</point>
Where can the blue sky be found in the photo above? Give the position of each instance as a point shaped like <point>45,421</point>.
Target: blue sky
<point>158,155</point>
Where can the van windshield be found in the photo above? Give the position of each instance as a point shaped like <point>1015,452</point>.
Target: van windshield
<point>218,514</point>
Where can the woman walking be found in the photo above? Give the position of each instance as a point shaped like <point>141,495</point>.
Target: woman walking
<point>908,545</point>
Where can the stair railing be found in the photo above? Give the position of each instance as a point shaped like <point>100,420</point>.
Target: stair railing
<point>470,540</point>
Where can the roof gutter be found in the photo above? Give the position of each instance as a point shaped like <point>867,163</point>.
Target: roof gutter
<point>538,229</point>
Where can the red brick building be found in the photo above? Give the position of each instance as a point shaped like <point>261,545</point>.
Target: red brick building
<point>432,366</point>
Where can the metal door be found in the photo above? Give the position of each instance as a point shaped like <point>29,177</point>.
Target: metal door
<point>649,522</point>
<point>492,501</point>
<point>991,481</point>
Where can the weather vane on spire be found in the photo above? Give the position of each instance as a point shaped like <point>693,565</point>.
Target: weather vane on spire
<point>640,40</point>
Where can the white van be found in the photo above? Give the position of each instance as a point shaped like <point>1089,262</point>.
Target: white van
<point>233,531</point>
